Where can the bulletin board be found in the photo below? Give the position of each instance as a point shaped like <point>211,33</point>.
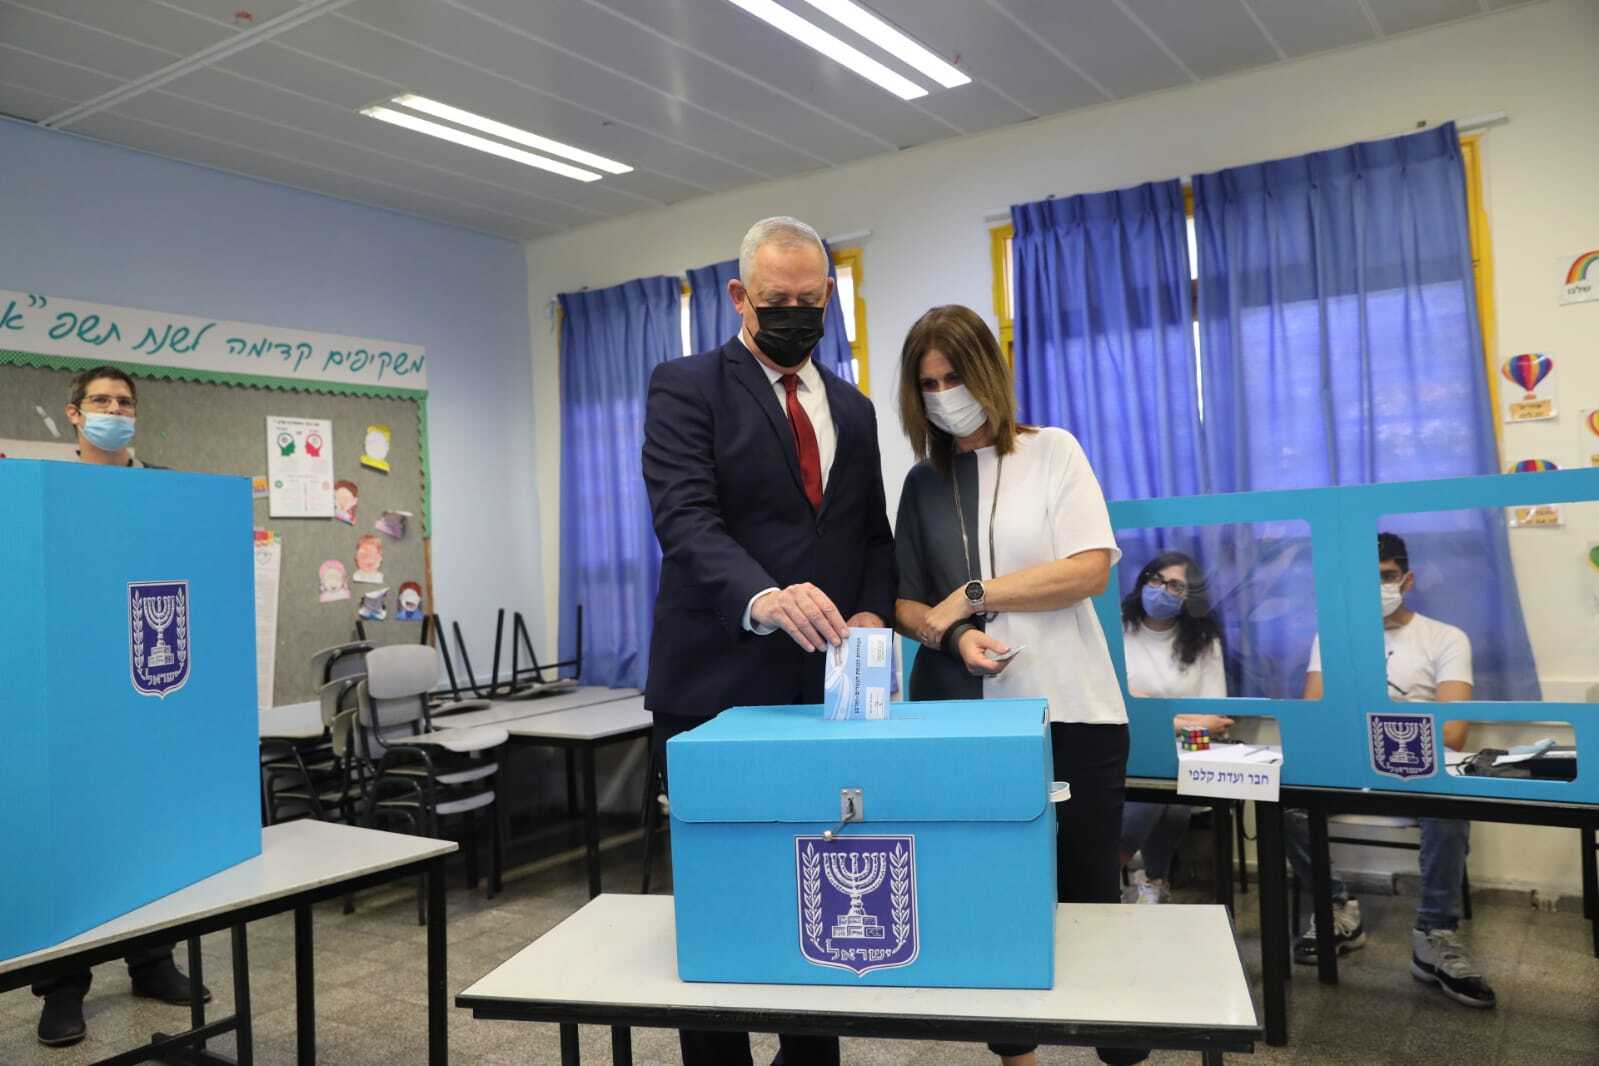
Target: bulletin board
<point>1348,738</point>
<point>219,427</point>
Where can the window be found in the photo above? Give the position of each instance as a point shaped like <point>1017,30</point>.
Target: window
<point>1002,258</point>
<point>847,265</point>
<point>1000,240</point>
<point>688,344</point>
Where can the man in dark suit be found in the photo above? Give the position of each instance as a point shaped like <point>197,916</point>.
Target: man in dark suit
<point>766,488</point>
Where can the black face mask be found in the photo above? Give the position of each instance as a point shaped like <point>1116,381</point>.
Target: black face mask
<point>788,334</point>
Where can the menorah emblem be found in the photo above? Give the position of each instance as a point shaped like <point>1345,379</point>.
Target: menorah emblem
<point>867,884</point>
<point>157,609</point>
<point>856,875</point>
<point>1402,744</point>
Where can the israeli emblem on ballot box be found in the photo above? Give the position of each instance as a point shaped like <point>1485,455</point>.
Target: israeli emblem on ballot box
<point>857,901</point>
<point>158,636</point>
<point>1402,745</point>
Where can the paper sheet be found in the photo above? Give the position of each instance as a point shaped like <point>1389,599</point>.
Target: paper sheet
<point>300,466</point>
<point>268,568</point>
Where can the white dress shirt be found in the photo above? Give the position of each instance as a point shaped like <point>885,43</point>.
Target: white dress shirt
<point>812,394</point>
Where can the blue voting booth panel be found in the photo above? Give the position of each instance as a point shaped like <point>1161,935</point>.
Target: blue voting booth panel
<point>948,880</point>
<point>1347,738</point>
<point>127,649</point>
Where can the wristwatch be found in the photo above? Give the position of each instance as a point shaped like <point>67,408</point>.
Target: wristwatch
<point>975,596</point>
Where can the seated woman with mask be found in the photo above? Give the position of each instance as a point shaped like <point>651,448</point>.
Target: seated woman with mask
<point>1173,647</point>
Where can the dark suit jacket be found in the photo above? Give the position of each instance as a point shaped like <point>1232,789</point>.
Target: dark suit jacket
<point>732,518</point>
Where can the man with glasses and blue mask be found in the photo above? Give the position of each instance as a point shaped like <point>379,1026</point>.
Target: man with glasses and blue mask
<point>1428,662</point>
<point>103,408</point>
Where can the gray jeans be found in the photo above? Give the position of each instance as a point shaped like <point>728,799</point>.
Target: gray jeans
<point>1445,842</point>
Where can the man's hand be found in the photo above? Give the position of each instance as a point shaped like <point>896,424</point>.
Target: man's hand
<point>1214,724</point>
<point>803,612</point>
<point>952,609</point>
<point>866,620</point>
<point>972,644</point>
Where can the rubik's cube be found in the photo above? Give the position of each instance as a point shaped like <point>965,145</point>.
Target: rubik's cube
<point>1195,739</point>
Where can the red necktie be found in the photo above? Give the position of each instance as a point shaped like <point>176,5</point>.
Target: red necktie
<point>810,456</point>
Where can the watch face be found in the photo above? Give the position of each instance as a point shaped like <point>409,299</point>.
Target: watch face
<point>974,591</point>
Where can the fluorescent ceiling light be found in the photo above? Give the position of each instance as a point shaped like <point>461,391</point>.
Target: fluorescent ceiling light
<point>891,41</point>
<point>510,133</point>
<point>482,144</point>
<point>811,34</point>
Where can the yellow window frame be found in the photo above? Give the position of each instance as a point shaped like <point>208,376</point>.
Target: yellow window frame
<point>853,258</point>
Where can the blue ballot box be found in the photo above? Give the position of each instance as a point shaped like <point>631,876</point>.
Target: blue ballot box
<point>127,691</point>
<point>916,850</point>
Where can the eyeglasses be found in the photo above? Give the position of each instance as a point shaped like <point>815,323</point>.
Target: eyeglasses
<point>101,402</point>
<point>1174,586</point>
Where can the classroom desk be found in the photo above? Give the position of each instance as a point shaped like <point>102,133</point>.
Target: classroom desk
<point>584,730</point>
<point>301,863</point>
<point>614,963</point>
<point>500,712</point>
<point>1320,802</point>
<point>291,721</point>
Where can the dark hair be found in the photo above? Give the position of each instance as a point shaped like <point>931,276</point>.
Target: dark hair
<point>345,484</point>
<point>1197,626</point>
<point>81,383</point>
<point>966,341</point>
<point>1391,548</point>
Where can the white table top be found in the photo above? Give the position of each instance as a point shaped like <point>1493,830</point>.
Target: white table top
<point>585,723</point>
<point>295,857</point>
<point>501,711</point>
<point>1173,965</point>
<point>292,721</point>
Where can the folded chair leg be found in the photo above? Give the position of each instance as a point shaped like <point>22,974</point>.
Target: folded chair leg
<point>469,846</point>
<point>496,849</point>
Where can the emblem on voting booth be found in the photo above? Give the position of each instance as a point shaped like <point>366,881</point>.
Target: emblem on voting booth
<point>857,901</point>
<point>158,636</point>
<point>1402,744</point>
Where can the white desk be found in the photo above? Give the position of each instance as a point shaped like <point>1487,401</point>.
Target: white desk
<point>292,721</point>
<point>615,963</point>
<point>583,731</point>
<point>301,863</point>
<point>501,711</point>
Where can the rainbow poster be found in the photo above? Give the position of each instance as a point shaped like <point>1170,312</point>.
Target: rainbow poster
<point>1528,391</point>
<point>1581,282</point>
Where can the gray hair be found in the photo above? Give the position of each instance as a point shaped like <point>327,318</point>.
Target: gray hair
<point>781,230</point>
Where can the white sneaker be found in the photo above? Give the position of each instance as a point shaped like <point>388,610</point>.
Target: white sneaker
<point>1136,882</point>
<point>1349,933</point>
<point>1439,958</point>
<point>1153,891</point>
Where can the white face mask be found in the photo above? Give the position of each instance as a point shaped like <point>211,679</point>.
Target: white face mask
<point>1392,599</point>
<point>955,411</point>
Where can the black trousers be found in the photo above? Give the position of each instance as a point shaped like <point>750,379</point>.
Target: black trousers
<point>705,1048</point>
<point>138,962</point>
<point>1093,760</point>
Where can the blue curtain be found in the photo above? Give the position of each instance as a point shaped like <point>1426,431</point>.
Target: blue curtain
<point>1340,346</point>
<point>713,321</point>
<point>611,339</point>
<point>1104,341</point>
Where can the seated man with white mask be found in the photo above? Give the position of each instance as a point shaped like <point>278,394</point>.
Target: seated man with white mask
<point>1429,662</point>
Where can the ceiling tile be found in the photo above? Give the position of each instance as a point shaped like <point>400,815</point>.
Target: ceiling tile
<point>51,77</point>
<point>1104,43</point>
<point>738,39</point>
<point>63,39</point>
<point>1306,26</point>
<point>1397,16</point>
<point>622,44</point>
<point>143,21</point>
<point>994,49</point>
<point>1213,37</point>
<point>28,104</point>
<point>177,144</point>
<point>222,11</point>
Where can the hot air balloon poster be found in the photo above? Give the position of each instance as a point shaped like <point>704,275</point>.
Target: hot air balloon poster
<point>1527,390</point>
<point>1588,434</point>
<point>1580,278</point>
<point>1544,514</point>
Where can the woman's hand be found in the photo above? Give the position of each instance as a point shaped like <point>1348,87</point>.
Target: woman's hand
<point>1215,724</point>
<point>972,644</point>
<point>953,608</point>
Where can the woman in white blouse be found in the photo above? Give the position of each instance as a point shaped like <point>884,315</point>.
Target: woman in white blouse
<point>1173,647</point>
<point>1003,539</point>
